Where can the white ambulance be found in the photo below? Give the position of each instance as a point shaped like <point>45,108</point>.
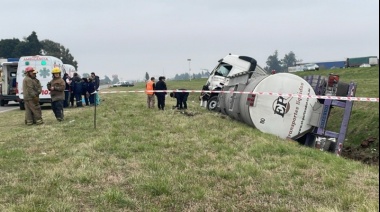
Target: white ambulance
<point>44,65</point>
<point>69,69</point>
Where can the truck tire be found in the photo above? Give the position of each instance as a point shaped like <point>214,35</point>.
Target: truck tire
<point>212,103</point>
<point>22,106</point>
<point>2,102</point>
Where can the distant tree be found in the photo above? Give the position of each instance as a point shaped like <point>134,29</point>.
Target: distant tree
<point>30,46</point>
<point>273,63</point>
<point>288,61</point>
<point>115,79</point>
<point>85,75</point>
<point>7,47</point>
<point>146,76</point>
<point>52,48</point>
<point>107,80</point>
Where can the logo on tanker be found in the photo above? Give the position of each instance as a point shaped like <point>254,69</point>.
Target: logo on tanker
<point>281,106</point>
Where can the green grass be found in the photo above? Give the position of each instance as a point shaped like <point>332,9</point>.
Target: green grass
<point>148,160</point>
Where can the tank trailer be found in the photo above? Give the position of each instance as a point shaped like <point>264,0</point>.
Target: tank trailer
<point>242,90</point>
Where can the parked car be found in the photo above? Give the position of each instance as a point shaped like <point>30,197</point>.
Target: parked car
<point>311,67</point>
<point>127,84</point>
<point>117,84</point>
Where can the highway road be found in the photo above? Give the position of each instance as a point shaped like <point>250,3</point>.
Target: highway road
<point>10,106</point>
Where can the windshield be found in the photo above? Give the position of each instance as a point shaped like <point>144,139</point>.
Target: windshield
<point>223,69</point>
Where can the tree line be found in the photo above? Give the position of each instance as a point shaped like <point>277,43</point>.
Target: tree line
<point>15,48</point>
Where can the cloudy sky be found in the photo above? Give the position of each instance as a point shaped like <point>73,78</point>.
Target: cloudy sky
<point>130,38</point>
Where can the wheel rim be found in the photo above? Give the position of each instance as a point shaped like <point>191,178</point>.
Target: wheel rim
<point>212,105</point>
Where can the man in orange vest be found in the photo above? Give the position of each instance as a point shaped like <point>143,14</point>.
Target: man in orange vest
<point>150,86</point>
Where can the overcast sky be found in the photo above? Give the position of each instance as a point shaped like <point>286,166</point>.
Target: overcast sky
<point>130,38</point>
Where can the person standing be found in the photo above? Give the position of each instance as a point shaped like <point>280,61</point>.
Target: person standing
<point>96,81</point>
<point>57,92</point>
<point>91,90</point>
<point>77,87</point>
<point>67,90</point>
<point>32,89</point>
<point>85,90</point>
<point>161,85</point>
<point>150,87</point>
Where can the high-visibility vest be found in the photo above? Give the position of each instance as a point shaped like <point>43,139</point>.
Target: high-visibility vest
<point>149,87</point>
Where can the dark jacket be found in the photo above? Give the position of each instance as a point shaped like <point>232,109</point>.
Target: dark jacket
<point>67,85</point>
<point>160,85</point>
<point>77,85</point>
<point>97,82</point>
<point>91,87</point>
<point>84,86</point>
<point>181,94</point>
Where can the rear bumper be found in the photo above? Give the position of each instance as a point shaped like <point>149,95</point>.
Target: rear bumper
<point>45,100</point>
<point>9,98</point>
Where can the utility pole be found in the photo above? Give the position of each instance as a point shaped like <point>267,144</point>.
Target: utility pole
<point>189,68</point>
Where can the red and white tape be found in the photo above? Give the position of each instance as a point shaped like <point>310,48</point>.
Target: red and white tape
<point>360,99</point>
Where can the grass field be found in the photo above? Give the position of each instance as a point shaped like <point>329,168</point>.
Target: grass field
<point>148,160</point>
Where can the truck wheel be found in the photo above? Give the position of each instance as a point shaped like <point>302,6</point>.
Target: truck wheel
<point>212,103</point>
<point>2,102</point>
<point>22,106</point>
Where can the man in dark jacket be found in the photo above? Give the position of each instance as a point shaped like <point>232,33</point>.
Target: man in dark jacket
<point>96,80</point>
<point>77,87</point>
<point>161,85</point>
<point>181,97</point>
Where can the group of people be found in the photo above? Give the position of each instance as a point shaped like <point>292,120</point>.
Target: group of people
<point>159,90</point>
<point>60,91</point>
<point>77,88</point>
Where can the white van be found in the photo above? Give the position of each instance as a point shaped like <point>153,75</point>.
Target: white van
<point>69,69</point>
<point>44,65</point>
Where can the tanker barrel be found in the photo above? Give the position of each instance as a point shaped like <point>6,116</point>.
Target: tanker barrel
<point>283,116</point>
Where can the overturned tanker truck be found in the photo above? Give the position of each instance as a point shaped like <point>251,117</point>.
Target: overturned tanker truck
<point>282,104</point>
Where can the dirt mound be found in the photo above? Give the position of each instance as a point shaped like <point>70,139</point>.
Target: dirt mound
<point>367,152</point>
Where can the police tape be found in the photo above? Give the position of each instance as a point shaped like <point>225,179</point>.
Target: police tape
<point>346,98</point>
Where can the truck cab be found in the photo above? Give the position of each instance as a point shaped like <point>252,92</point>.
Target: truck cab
<point>8,86</point>
<point>228,66</point>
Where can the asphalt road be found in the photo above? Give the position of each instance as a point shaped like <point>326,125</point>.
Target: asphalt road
<point>10,106</point>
